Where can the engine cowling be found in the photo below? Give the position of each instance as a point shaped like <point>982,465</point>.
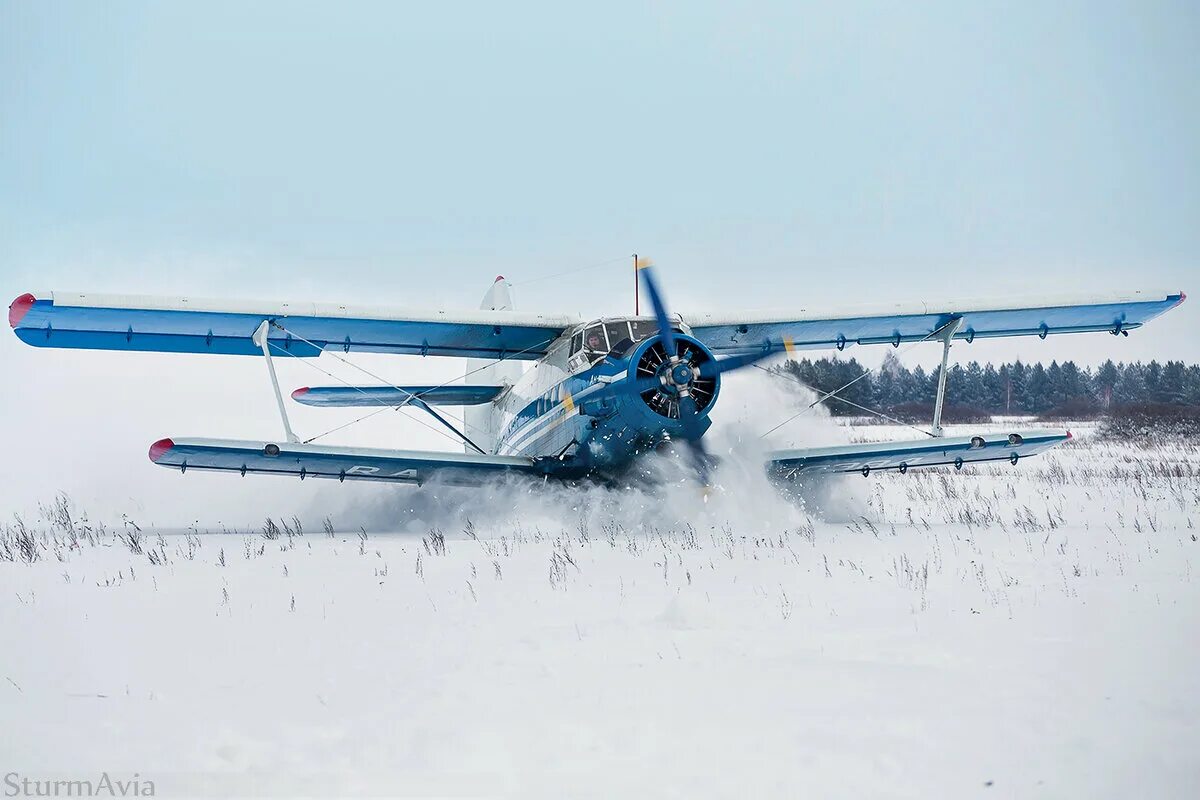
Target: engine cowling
<point>668,377</point>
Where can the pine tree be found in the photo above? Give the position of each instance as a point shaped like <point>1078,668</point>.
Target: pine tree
<point>1191,386</point>
<point>1131,386</point>
<point>994,383</point>
<point>922,387</point>
<point>1015,388</point>
<point>1104,382</point>
<point>1076,386</point>
<point>1017,379</point>
<point>1152,375</point>
<point>972,390</point>
<point>1055,396</point>
<point>1171,383</point>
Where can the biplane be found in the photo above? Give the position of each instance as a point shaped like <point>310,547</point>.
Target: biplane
<point>552,396</point>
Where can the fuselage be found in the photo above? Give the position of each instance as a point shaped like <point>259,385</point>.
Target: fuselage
<point>575,404</point>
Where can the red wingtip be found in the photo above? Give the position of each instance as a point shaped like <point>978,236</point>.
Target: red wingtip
<point>303,390</point>
<point>19,308</point>
<point>1182,297</point>
<point>498,279</point>
<point>1070,435</point>
<point>160,448</point>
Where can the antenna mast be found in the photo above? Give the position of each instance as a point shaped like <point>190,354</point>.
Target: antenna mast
<point>637,304</point>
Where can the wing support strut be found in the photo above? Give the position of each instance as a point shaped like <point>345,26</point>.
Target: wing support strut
<point>260,339</point>
<point>947,338</point>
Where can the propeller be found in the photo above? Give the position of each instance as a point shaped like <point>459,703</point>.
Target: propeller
<point>714,368</point>
<point>686,365</point>
<point>646,267</point>
<point>677,379</point>
<point>679,373</point>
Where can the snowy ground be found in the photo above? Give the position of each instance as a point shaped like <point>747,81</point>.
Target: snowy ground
<point>1003,632</point>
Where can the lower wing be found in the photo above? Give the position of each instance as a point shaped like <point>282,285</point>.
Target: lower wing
<point>342,463</point>
<point>956,451</point>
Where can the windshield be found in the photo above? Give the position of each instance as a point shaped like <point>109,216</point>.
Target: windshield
<point>618,332</point>
<point>601,338</point>
<point>642,329</point>
<point>594,342</point>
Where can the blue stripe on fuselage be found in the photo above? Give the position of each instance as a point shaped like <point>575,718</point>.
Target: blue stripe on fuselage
<point>535,416</point>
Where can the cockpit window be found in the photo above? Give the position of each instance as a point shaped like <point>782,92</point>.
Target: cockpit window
<point>642,330</point>
<point>617,332</point>
<point>594,343</point>
<point>599,339</point>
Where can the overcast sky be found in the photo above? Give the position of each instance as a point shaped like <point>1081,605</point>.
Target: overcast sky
<point>765,154</point>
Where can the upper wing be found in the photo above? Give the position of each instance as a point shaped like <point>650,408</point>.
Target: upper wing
<point>729,333</point>
<point>189,325</point>
<point>957,450</point>
<point>343,463</point>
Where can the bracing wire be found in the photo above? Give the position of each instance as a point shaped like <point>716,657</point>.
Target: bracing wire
<point>574,271</point>
<point>865,373</point>
<point>386,405</point>
<point>364,370</point>
<point>851,403</point>
<point>466,425</point>
<point>364,417</point>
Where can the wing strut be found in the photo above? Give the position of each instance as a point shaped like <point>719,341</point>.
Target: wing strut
<point>421,404</point>
<point>261,335</point>
<point>260,339</point>
<point>944,331</point>
<point>947,337</point>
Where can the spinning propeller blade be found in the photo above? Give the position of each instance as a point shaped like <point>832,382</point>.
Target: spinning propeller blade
<point>637,386</point>
<point>712,369</point>
<point>646,267</point>
<point>681,385</point>
<point>689,415</point>
<point>689,412</point>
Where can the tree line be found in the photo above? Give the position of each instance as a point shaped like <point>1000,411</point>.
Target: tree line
<point>1012,388</point>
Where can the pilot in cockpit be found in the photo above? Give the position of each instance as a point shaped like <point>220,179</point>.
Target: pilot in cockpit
<point>594,342</point>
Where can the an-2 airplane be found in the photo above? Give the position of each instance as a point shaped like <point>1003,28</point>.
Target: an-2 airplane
<point>598,395</point>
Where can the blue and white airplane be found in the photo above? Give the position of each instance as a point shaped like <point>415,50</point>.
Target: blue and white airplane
<point>599,393</point>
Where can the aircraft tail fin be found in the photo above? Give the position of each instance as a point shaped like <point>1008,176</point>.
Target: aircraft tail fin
<point>481,421</point>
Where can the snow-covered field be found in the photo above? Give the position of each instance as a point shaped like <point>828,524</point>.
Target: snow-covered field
<point>1004,632</point>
